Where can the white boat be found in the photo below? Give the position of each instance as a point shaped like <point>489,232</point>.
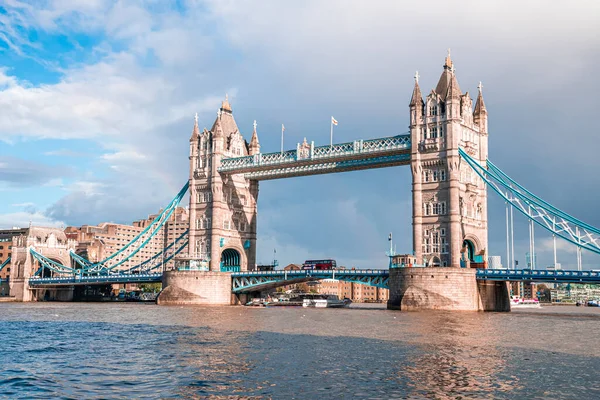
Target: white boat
<point>516,302</point>
<point>324,301</point>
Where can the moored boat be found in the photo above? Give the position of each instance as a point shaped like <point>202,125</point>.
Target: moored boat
<point>325,301</point>
<point>516,302</point>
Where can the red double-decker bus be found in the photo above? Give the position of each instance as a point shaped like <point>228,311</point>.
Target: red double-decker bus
<point>319,264</point>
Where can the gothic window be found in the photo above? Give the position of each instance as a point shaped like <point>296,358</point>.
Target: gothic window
<point>426,246</point>
<point>433,110</point>
<point>427,209</point>
<point>441,131</point>
<point>435,175</point>
<point>199,224</point>
<point>242,226</point>
<point>443,208</point>
<point>426,175</point>
<point>444,245</point>
<point>199,197</point>
<point>442,175</point>
<point>227,225</point>
<point>433,132</point>
<point>435,248</point>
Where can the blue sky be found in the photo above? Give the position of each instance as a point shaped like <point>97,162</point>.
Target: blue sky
<point>98,99</point>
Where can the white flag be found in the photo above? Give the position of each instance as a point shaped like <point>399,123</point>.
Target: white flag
<point>282,128</point>
<point>333,121</point>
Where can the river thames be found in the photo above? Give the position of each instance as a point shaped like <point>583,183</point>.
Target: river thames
<point>144,351</point>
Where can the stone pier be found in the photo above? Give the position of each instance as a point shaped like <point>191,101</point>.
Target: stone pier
<point>413,289</point>
<point>196,287</point>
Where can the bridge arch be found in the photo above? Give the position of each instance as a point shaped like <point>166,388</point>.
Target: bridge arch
<point>232,259</point>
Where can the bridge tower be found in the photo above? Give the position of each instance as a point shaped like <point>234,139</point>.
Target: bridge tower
<point>449,199</point>
<point>223,209</point>
<point>52,243</point>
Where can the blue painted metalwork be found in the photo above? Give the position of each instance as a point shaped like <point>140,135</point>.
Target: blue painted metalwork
<point>5,263</point>
<point>49,264</point>
<point>135,245</point>
<point>230,260</point>
<point>559,276</point>
<point>540,212</point>
<point>318,159</point>
<point>79,280</point>
<point>142,267</point>
<point>258,280</point>
<point>330,167</point>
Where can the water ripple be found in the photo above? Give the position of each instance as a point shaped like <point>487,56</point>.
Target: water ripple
<point>146,352</point>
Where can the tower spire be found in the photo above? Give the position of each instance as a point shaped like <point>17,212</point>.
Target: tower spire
<point>448,61</point>
<point>417,97</point>
<point>480,112</point>
<point>254,147</point>
<point>225,106</point>
<point>195,131</point>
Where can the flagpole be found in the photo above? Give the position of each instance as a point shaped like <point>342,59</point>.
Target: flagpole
<point>281,138</point>
<point>331,134</point>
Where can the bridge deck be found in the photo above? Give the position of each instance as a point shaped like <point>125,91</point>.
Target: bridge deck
<point>262,280</point>
<point>560,276</point>
<point>360,154</point>
<point>95,280</point>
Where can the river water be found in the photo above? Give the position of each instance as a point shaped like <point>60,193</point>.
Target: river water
<point>126,350</point>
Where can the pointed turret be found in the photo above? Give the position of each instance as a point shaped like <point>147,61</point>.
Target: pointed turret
<point>254,147</point>
<point>195,132</point>
<point>225,106</point>
<point>417,98</point>
<point>217,128</point>
<point>448,85</point>
<point>479,105</point>
<point>480,112</point>
<point>225,121</point>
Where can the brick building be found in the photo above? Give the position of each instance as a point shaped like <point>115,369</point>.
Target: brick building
<point>100,241</point>
<point>6,239</point>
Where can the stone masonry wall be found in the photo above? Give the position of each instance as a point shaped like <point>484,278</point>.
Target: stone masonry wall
<point>195,287</point>
<point>442,289</point>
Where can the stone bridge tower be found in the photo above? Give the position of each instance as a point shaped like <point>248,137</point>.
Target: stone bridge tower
<point>449,198</point>
<point>52,243</point>
<point>222,208</point>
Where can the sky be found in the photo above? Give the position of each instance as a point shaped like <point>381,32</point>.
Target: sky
<point>97,103</point>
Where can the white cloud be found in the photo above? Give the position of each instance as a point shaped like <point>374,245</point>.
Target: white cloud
<point>153,70</point>
<point>546,245</point>
<point>22,219</point>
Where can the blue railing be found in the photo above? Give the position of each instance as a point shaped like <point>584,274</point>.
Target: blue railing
<point>258,280</point>
<point>539,275</point>
<point>230,268</point>
<point>321,153</point>
<point>96,280</point>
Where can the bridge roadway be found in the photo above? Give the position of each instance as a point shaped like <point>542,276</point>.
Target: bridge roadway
<point>244,282</point>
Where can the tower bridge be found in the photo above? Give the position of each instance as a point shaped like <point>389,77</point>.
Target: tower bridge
<point>447,151</point>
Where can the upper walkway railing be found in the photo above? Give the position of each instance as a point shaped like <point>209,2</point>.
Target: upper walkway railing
<point>309,154</point>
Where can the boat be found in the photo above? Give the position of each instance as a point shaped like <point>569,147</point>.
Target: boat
<point>593,303</point>
<point>516,302</point>
<point>256,302</point>
<point>325,301</point>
